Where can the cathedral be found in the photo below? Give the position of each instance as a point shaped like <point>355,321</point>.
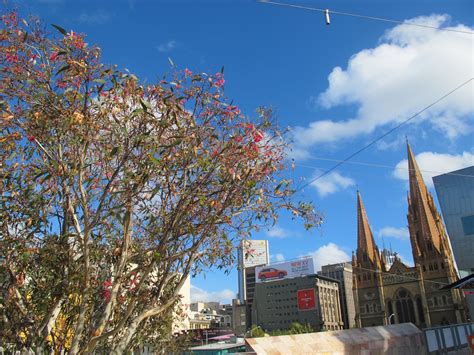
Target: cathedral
<point>388,294</point>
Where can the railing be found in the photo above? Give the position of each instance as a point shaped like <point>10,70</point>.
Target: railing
<point>448,339</point>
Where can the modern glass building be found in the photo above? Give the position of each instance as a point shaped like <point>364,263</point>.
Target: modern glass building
<point>455,192</point>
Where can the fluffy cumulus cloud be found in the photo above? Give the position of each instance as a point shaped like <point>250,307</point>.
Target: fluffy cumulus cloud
<point>331,183</point>
<point>167,46</point>
<point>329,254</point>
<point>279,257</point>
<point>433,164</point>
<point>200,295</point>
<point>277,232</point>
<point>410,68</point>
<point>394,232</point>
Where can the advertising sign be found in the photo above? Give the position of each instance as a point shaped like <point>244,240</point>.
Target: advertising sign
<point>285,270</point>
<point>253,252</point>
<point>306,299</point>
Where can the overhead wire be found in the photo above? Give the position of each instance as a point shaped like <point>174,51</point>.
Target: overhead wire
<point>386,134</point>
<point>327,11</point>
<point>375,165</point>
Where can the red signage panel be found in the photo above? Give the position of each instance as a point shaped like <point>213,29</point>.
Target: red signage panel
<point>306,299</point>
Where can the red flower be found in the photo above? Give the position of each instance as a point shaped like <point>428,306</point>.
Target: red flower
<point>31,138</point>
<point>188,72</point>
<point>257,136</point>
<point>215,153</point>
<point>54,56</point>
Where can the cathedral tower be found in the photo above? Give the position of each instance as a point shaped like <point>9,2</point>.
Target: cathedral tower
<point>431,251</point>
<point>367,268</point>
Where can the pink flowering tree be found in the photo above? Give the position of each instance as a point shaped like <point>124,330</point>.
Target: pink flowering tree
<point>113,192</point>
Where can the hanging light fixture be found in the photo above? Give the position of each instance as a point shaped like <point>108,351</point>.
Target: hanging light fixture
<point>326,16</point>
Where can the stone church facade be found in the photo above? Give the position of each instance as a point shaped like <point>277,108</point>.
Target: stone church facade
<point>402,293</point>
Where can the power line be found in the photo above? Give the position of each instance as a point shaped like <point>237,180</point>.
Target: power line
<point>385,134</point>
<point>375,165</point>
<point>327,11</point>
<point>405,276</point>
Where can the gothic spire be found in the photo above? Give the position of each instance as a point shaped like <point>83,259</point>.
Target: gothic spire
<point>365,239</point>
<point>421,205</point>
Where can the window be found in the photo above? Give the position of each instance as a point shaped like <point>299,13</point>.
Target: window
<point>468,225</point>
<point>419,306</point>
<point>442,265</point>
<point>367,308</point>
<point>430,267</point>
<point>424,268</point>
<point>435,266</point>
<point>435,300</point>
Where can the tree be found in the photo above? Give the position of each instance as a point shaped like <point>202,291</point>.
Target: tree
<point>114,192</point>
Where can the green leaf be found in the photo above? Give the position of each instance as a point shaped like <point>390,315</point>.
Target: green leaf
<point>66,67</point>
<point>114,150</point>
<point>25,36</point>
<point>60,29</point>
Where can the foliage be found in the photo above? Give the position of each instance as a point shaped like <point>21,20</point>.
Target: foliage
<point>256,332</point>
<point>113,192</point>
<point>295,328</point>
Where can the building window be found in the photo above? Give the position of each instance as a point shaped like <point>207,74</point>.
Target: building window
<point>430,267</point>
<point>435,266</point>
<point>367,308</point>
<point>419,306</point>
<point>442,265</point>
<point>468,225</point>
<point>435,300</point>
<point>444,299</point>
<point>424,268</point>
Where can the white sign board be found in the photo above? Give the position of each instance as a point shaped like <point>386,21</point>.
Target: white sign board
<point>253,252</point>
<point>285,270</point>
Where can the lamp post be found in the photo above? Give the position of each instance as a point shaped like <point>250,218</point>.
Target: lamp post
<point>389,317</point>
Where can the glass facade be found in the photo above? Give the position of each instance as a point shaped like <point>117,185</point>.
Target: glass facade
<point>456,198</point>
<point>455,193</point>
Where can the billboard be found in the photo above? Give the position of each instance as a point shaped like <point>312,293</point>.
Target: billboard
<point>285,270</point>
<point>306,299</point>
<point>253,253</point>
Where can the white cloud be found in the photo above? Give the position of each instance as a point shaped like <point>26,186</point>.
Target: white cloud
<point>277,232</point>
<point>97,18</point>
<point>433,164</point>
<point>167,46</point>
<point>331,183</point>
<point>329,254</point>
<point>409,69</point>
<point>394,232</point>
<point>279,257</point>
<point>200,295</point>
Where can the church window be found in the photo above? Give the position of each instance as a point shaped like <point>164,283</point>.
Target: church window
<point>442,265</point>
<point>430,246</point>
<point>404,307</point>
<point>419,305</point>
<point>424,268</point>
<point>367,308</point>
<point>368,276</point>
<point>375,307</point>
<point>435,266</point>
<point>444,299</point>
<point>365,277</point>
<point>365,257</point>
<point>430,267</point>
<point>435,300</point>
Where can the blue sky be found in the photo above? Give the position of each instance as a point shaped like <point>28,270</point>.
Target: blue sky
<point>338,87</point>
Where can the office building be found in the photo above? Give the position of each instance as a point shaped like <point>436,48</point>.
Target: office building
<point>343,273</point>
<point>312,299</point>
<point>455,192</point>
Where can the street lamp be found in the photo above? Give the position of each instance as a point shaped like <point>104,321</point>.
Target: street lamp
<point>389,317</point>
